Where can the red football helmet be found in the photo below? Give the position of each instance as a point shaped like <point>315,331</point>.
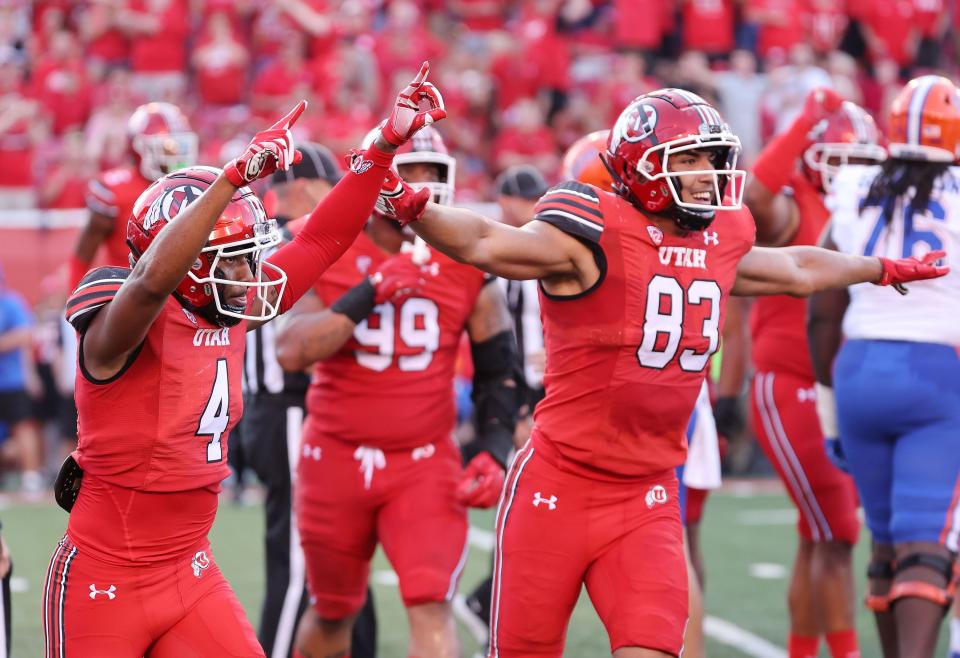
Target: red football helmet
<point>582,161</point>
<point>849,134</point>
<point>426,147</point>
<point>662,123</point>
<point>161,139</point>
<point>242,230</point>
<point>925,121</point>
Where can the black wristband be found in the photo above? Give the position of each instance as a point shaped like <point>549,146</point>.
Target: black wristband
<point>357,302</point>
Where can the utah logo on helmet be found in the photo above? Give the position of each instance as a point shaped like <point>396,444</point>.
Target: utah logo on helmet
<point>242,230</point>
<point>663,123</point>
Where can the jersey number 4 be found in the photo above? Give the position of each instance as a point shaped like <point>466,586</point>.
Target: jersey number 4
<point>419,328</point>
<point>663,323</point>
<point>216,415</point>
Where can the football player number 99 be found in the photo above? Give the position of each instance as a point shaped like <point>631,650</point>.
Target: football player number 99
<point>419,328</point>
<point>666,307</point>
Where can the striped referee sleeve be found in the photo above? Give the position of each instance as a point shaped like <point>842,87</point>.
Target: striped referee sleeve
<point>573,208</point>
<point>96,290</point>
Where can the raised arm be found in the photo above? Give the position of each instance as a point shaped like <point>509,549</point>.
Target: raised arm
<point>120,326</point>
<point>538,250</point>
<point>802,271</point>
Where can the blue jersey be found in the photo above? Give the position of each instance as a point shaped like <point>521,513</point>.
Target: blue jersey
<point>13,315</point>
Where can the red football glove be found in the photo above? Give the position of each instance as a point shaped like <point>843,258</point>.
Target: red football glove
<point>820,104</point>
<point>399,201</point>
<point>407,117</point>
<point>900,271</point>
<point>481,482</point>
<point>269,150</point>
<point>398,277</point>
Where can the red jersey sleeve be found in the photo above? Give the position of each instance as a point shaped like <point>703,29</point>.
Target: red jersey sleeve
<point>573,208</point>
<point>95,291</point>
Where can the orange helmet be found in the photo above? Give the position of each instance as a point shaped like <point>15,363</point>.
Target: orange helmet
<point>925,121</point>
<point>582,161</point>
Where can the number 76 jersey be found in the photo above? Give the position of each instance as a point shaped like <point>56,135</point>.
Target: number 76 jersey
<point>625,360</point>
<point>929,313</point>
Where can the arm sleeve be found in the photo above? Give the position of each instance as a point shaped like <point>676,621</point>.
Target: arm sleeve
<point>96,290</point>
<point>573,208</point>
<point>332,226</point>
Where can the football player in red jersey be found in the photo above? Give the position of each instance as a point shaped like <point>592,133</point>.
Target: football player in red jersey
<point>158,391</point>
<point>378,462</point>
<point>633,285</point>
<point>787,203</point>
<point>161,141</point>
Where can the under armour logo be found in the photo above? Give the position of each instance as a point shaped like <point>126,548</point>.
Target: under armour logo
<point>710,238</point>
<point>657,495</point>
<point>550,502</point>
<point>110,592</point>
<point>200,562</point>
<point>423,452</point>
<point>806,394</point>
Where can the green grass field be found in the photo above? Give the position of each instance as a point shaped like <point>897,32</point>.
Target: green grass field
<point>749,544</point>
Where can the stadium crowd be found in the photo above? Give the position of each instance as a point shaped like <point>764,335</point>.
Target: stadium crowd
<point>524,78</point>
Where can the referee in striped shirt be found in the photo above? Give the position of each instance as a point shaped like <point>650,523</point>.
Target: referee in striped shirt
<point>271,427</point>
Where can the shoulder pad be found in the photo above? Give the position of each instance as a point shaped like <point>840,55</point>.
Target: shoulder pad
<point>101,199</point>
<point>573,208</point>
<point>96,290</point>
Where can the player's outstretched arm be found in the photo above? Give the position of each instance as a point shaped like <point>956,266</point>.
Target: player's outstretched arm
<point>116,331</point>
<point>535,251</point>
<point>338,218</point>
<point>802,271</point>
<point>94,232</point>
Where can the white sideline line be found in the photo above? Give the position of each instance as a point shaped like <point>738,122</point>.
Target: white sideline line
<point>742,640</point>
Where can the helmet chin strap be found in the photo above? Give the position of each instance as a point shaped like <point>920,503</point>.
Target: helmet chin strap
<point>686,219</point>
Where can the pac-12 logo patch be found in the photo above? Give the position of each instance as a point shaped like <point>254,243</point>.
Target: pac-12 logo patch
<point>656,495</point>
<point>655,234</point>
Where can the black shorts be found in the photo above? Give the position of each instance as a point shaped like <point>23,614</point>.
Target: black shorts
<point>14,407</point>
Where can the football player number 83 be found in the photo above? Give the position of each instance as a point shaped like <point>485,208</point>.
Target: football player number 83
<point>417,324</point>
<point>666,306</point>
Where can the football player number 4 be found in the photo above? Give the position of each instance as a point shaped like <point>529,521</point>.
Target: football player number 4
<point>663,324</point>
<point>216,415</point>
<point>417,325</point>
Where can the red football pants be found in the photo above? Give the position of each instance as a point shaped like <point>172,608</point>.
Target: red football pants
<point>557,530</point>
<point>348,499</point>
<point>785,421</point>
<point>181,608</point>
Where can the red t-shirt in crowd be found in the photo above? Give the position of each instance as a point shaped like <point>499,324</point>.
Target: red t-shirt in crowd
<point>892,22</point>
<point>65,91</point>
<point>780,36</point>
<point>221,79</point>
<point>511,140</point>
<point>638,23</point>
<point>708,25</point>
<point>165,50</point>
<point>826,23</point>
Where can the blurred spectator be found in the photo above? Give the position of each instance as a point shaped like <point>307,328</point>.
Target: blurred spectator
<point>158,31</point>
<point>405,42</point>
<point>105,43</point>
<point>708,26</point>
<point>787,87</point>
<point>22,128</point>
<point>15,411</point>
<point>640,25</point>
<point>221,61</point>
<point>61,83</point>
<point>779,25</point>
<point>827,21</point>
<point>106,134</point>
<point>479,15</point>
<point>525,139</point>
<point>740,91</point>
<point>65,184</point>
<point>272,86</point>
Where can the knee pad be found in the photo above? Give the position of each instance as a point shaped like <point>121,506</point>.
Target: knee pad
<point>879,570</point>
<point>943,566</point>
